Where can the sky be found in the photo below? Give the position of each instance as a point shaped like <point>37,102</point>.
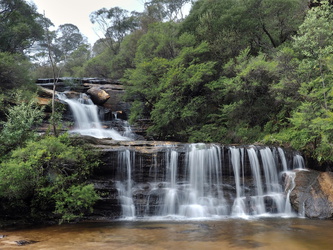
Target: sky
<point>77,12</point>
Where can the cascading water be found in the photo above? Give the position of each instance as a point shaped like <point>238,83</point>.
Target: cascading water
<point>207,181</point>
<point>203,196</point>
<point>239,207</point>
<point>124,185</point>
<point>86,119</point>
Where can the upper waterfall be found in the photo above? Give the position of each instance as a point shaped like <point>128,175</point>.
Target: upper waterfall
<point>87,120</point>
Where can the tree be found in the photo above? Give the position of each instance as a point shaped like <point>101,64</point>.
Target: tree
<point>20,26</point>
<point>162,9</point>
<point>115,24</point>
<point>230,26</point>
<point>68,39</point>
<point>276,21</point>
<point>314,42</point>
<point>311,122</point>
<point>170,88</point>
<point>76,60</point>
<point>14,71</point>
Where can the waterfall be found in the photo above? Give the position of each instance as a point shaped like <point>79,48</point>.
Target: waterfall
<point>298,162</point>
<point>86,119</point>
<point>124,185</point>
<point>289,186</point>
<point>206,181</point>
<point>239,207</point>
<point>283,159</point>
<point>203,196</point>
<point>171,200</point>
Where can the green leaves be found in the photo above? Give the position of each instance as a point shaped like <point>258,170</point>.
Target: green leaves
<point>20,26</point>
<point>73,202</point>
<point>18,127</point>
<point>50,174</point>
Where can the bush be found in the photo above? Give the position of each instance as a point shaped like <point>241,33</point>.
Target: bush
<point>49,174</point>
<point>18,127</point>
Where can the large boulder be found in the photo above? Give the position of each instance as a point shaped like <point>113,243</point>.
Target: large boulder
<point>98,96</point>
<point>313,194</point>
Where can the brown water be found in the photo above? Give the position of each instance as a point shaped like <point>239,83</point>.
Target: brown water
<point>277,233</point>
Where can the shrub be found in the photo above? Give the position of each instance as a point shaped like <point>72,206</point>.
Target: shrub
<point>17,129</point>
<point>49,174</point>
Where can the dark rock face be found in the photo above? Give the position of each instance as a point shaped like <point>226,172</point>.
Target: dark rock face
<point>313,194</point>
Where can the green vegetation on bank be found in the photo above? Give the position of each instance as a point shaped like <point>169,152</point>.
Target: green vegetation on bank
<point>41,177</point>
<point>42,174</point>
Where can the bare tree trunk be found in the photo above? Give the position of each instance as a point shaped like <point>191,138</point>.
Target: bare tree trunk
<point>55,79</point>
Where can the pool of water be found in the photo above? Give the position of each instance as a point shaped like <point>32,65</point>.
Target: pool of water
<point>267,233</point>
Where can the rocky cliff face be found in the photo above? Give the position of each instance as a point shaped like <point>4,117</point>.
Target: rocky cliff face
<point>312,196</point>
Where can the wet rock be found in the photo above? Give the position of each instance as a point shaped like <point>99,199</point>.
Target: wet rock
<point>313,194</point>
<point>98,96</point>
<point>25,242</point>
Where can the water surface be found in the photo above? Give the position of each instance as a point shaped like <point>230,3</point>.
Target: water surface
<point>268,233</point>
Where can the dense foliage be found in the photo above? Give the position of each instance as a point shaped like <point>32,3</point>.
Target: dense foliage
<point>42,174</point>
<point>239,72</point>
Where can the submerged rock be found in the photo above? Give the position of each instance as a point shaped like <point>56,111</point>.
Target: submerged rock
<point>312,196</point>
<point>25,242</point>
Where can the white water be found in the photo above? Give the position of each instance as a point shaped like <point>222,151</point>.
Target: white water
<point>199,192</point>
<point>257,201</point>
<point>203,195</point>
<point>239,206</point>
<point>86,119</point>
<point>124,186</point>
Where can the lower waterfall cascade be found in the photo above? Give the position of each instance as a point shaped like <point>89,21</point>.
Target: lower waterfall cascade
<point>207,181</point>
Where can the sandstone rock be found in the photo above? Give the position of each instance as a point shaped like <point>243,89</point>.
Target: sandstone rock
<point>98,96</point>
<point>313,194</point>
<point>44,92</point>
<point>43,101</point>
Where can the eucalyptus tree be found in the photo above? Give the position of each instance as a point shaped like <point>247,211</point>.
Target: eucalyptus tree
<point>166,9</point>
<point>115,24</point>
<point>68,39</point>
<point>57,46</point>
<point>76,61</point>
<point>277,20</point>
<point>20,26</point>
